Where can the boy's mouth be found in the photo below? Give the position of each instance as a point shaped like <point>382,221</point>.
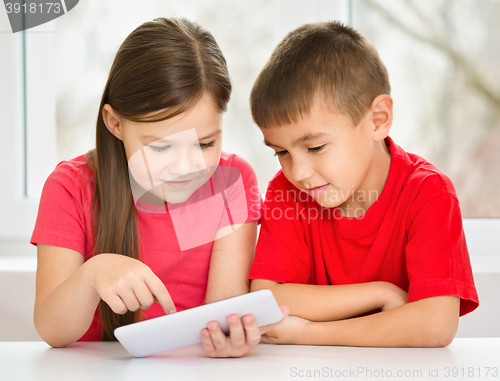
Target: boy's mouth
<point>316,190</point>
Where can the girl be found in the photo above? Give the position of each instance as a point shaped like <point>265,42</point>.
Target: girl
<point>156,212</point>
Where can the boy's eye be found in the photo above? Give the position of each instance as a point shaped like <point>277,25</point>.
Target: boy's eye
<point>312,149</point>
<point>206,145</point>
<point>316,149</point>
<point>159,149</point>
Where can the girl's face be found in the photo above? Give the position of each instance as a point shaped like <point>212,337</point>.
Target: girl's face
<point>172,158</point>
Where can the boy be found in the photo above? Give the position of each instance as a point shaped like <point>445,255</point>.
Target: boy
<point>361,240</point>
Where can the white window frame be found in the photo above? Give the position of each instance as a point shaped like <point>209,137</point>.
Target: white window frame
<point>27,128</point>
<point>28,134</point>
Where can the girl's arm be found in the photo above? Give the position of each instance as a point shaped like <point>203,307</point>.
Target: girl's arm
<point>65,302</point>
<point>230,263</point>
<point>327,303</point>
<point>68,291</point>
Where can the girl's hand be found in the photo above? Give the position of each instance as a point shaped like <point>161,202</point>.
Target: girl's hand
<point>126,283</point>
<point>288,332</point>
<point>393,296</point>
<point>240,341</point>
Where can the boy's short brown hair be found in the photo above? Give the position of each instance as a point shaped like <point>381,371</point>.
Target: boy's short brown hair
<point>326,61</point>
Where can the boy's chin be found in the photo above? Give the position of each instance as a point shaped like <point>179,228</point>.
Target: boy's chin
<point>324,202</point>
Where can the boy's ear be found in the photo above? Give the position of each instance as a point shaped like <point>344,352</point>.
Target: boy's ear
<point>112,121</point>
<point>381,116</point>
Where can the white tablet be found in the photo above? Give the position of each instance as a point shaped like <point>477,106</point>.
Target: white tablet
<point>184,328</point>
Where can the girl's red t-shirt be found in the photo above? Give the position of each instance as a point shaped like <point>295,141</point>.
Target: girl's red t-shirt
<point>176,243</point>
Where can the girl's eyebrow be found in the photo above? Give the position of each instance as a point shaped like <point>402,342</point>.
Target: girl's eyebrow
<point>213,134</point>
<point>146,139</point>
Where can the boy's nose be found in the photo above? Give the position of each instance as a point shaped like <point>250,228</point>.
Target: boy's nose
<point>301,171</point>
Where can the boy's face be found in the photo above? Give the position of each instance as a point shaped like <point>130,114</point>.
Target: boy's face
<point>332,160</point>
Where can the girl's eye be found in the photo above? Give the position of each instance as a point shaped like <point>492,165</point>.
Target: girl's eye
<point>206,145</point>
<point>316,149</point>
<point>280,153</point>
<point>201,145</point>
<point>159,149</point>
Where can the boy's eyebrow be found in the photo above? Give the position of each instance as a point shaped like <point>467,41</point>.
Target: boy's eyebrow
<point>307,137</point>
<point>146,139</point>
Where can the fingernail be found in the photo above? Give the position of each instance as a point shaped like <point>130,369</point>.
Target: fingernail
<point>248,320</point>
<point>212,327</point>
<point>233,320</point>
<point>171,311</point>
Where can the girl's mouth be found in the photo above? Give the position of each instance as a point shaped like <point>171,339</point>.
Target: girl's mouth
<point>178,184</point>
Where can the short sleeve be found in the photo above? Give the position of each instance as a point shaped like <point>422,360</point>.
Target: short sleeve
<point>282,254</point>
<point>60,220</point>
<point>241,194</point>
<point>437,258</point>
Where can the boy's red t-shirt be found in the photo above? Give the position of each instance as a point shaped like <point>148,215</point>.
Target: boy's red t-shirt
<point>173,241</point>
<point>412,236</point>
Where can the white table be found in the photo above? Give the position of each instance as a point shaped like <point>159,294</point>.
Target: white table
<point>467,359</point>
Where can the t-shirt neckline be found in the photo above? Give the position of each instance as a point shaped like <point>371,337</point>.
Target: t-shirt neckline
<point>374,215</point>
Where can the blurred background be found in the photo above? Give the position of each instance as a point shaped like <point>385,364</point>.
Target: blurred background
<point>442,56</point>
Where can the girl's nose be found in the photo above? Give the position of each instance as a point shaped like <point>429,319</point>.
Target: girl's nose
<point>181,163</point>
<point>186,161</point>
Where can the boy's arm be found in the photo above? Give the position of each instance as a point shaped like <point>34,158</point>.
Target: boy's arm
<point>430,322</point>
<point>327,303</point>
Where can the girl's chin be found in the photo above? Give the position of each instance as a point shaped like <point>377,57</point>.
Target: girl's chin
<point>158,197</point>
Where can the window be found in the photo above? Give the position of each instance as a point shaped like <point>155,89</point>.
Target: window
<point>443,58</point>
<point>17,213</point>
<point>52,77</point>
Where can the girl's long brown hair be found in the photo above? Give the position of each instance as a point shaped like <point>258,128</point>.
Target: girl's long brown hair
<point>161,70</point>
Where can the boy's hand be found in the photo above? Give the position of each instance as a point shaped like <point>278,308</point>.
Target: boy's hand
<point>239,341</point>
<point>287,332</point>
<point>393,296</point>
